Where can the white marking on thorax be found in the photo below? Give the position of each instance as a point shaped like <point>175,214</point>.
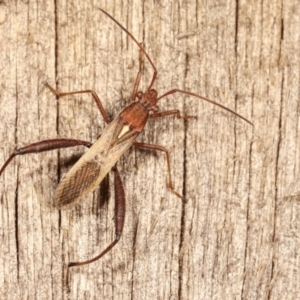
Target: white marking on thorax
<point>124,130</point>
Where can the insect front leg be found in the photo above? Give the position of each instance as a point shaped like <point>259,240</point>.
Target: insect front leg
<point>95,97</point>
<point>138,78</point>
<point>163,149</point>
<point>119,218</point>
<point>46,145</point>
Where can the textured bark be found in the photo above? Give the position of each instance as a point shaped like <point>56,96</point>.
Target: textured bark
<point>236,235</point>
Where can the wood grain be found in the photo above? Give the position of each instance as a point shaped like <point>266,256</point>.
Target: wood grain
<point>236,236</point>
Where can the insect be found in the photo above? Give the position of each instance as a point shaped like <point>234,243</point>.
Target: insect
<point>102,156</point>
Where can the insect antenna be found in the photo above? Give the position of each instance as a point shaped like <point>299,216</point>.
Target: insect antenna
<point>155,73</point>
<point>205,99</point>
<point>139,45</point>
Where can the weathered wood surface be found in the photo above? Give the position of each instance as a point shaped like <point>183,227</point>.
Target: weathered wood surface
<point>237,234</point>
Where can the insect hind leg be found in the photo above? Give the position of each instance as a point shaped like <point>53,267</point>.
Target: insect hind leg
<point>46,145</point>
<point>119,218</point>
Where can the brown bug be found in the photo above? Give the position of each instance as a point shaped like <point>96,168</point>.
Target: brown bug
<point>120,134</point>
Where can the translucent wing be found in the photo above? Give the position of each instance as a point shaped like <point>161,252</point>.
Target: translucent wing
<point>86,175</point>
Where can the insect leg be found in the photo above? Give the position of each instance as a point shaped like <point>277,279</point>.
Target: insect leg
<point>46,145</point>
<point>138,77</point>
<point>118,218</point>
<point>163,149</point>
<point>95,97</point>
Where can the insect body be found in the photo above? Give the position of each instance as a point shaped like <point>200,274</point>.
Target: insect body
<point>93,166</point>
<point>120,134</point>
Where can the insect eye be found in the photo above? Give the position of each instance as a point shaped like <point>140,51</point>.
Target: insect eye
<point>139,95</point>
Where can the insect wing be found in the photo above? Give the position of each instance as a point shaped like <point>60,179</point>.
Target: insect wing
<point>86,175</point>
